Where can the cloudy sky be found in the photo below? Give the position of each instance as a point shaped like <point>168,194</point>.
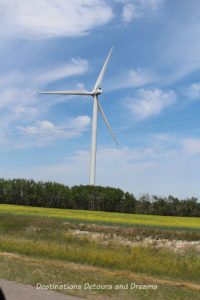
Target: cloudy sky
<point>151,92</point>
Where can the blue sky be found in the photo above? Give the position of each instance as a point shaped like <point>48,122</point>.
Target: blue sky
<point>151,92</point>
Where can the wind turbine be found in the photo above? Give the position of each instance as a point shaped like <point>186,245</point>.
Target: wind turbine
<point>96,106</point>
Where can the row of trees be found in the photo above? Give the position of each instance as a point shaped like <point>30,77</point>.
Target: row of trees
<point>51,194</point>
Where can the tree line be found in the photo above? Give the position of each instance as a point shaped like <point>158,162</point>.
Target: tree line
<point>86,197</point>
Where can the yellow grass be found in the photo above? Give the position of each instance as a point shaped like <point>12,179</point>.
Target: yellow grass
<point>104,217</point>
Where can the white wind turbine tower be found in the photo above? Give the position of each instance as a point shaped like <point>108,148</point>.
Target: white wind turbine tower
<point>96,106</point>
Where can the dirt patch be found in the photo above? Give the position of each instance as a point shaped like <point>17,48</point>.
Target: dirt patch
<point>137,232</point>
<point>175,245</point>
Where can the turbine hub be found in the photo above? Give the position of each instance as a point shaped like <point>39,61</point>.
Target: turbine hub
<point>98,91</point>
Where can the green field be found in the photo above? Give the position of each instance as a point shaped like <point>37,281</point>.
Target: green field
<point>77,247</point>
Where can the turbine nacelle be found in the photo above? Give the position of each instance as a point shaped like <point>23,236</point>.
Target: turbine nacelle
<point>97,92</point>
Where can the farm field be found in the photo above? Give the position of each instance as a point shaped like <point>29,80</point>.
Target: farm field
<point>42,245</point>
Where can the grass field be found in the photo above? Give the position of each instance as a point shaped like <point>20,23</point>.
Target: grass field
<point>104,217</point>
<point>77,247</point>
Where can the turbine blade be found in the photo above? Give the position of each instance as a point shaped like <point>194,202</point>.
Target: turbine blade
<point>84,93</point>
<point>101,75</point>
<point>107,123</point>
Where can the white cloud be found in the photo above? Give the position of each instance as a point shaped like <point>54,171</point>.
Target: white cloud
<point>55,18</point>
<point>151,4</point>
<point>191,146</point>
<point>79,123</point>
<point>42,127</point>
<point>133,78</point>
<point>76,66</point>
<point>194,91</point>
<point>45,132</point>
<point>9,78</point>
<point>139,8</point>
<point>130,12</point>
<point>16,105</point>
<point>21,110</point>
<point>139,77</point>
<point>185,147</point>
<point>20,105</point>
<point>19,100</point>
<point>125,154</point>
<point>15,78</point>
<point>150,102</point>
<point>12,95</point>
